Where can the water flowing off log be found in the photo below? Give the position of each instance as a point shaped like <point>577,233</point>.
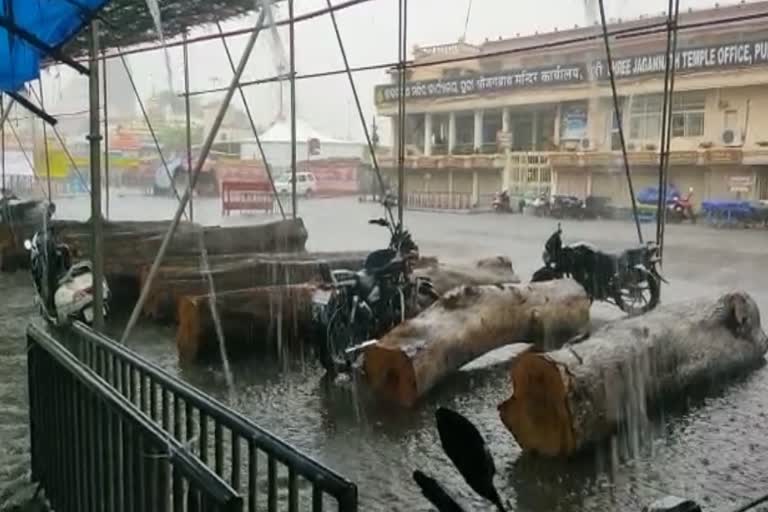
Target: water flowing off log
<point>566,399</point>
<point>468,322</point>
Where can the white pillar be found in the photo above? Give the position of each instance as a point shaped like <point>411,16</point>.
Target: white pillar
<point>427,134</point>
<point>451,132</point>
<point>556,138</point>
<point>475,188</point>
<point>505,120</point>
<point>535,129</point>
<point>478,129</point>
<point>450,182</point>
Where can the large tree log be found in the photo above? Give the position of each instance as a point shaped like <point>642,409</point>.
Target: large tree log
<point>255,319</point>
<point>569,398</point>
<point>446,277</point>
<point>465,324</point>
<point>173,283</point>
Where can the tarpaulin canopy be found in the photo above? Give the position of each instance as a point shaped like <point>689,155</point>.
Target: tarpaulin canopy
<point>26,26</point>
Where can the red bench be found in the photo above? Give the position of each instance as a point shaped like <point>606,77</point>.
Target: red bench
<point>246,196</point>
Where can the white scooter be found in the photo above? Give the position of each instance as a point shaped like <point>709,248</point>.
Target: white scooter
<point>73,294</point>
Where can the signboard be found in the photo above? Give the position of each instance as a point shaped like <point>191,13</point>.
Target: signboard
<point>740,183</point>
<point>573,122</point>
<point>703,58</point>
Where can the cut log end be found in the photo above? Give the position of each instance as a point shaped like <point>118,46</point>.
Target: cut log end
<point>390,371</point>
<point>537,412</point>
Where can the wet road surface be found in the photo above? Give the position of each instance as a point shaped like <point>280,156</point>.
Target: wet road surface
<point>712,449</point>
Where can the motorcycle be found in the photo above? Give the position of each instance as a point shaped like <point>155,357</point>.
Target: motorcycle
<point>567,207</point>
<point>351,308</point>
<point>501,202</point>
<point>681,208</point>
<point>64,291</point>
<point>630,280</point>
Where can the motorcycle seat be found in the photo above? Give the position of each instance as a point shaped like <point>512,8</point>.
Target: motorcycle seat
<point>379,260</point>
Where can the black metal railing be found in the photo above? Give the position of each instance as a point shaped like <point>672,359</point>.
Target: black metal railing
<point>92,450</point>
<point>255,462</point>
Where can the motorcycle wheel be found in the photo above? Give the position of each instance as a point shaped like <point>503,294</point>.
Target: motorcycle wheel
<point>339,335</point>
<point>639,297</point>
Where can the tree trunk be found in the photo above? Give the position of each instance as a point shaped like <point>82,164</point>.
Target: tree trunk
<point>566,399</point>
<point>173,282</point>
<point>252,320</point>
<point>486,271</point>
<point>467,323</point>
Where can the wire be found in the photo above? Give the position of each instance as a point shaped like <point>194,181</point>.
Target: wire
<point>618,33</point>
<point>617,113</point>
<point>466,21</point>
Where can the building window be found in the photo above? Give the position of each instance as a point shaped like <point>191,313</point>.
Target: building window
<point>687,116</point>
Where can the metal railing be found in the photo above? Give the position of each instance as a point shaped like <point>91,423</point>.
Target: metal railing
<point>439,200</point>
<point>226,441</point>
<point>92,450</point>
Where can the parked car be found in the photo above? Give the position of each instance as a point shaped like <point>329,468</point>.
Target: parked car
<point>306,184</point>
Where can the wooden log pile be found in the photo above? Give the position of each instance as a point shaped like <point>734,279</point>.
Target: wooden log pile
<point>185,290</point>
<point>566,399</point>
<point>468,322</point>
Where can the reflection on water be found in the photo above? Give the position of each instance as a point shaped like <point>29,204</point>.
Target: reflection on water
<point>711,449</point>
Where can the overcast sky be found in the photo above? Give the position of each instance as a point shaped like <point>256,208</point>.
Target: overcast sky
<point>370,36</point>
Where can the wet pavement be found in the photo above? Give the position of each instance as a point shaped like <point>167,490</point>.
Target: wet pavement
<point>712,449</point>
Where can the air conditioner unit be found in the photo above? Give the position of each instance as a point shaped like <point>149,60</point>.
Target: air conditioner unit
<point>730,139</point>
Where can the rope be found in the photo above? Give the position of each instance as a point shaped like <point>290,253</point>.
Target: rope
<point>466,21</point>
<point>45,139</point>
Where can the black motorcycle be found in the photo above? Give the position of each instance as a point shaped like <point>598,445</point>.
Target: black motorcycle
<point>351,308</point>
<point>630,280</point>
<point>570,207</point>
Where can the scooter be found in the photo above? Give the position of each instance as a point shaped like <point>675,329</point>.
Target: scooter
<point>64,291</point>
<point>681,208</point>
<point>501,202</point>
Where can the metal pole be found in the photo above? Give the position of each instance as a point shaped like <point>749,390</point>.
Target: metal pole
<point>661,202</point>
<point>360,113</point>
<point>106,133</point>
<point>403,22</point>
<point>247,108</point>
<point>187,111</point>
<point>669,129</point>
<point>617,113</point>
<point>204,151</point>
<point>292,51</point>
<point>45,142</point>
<point>94,137</point>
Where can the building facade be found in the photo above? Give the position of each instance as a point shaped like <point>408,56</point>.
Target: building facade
<point>504,116</point>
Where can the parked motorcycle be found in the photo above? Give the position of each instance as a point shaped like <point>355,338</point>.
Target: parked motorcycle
<point>570,207</point>
<point>354,307</point>
<point>501,202</point>
<point>64,291</point>
<point>681,208</point>
<point>630,280</point>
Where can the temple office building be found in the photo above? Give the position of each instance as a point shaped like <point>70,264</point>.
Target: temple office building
<point>543,121</point>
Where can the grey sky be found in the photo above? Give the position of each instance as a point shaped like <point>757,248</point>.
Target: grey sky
<point>370,36</point>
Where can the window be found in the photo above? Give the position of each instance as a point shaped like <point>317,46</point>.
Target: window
<point>687,116</point>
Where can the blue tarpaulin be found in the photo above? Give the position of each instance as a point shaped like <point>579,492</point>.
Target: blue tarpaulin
<point>53,22</point>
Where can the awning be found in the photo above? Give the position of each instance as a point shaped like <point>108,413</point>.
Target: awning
<point>32,30</point>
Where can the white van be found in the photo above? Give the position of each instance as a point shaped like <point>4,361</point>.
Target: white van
<point>305,184</point>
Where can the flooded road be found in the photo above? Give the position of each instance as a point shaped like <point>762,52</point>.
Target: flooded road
<point>712,449</point>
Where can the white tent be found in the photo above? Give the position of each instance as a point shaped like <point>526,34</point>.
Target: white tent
<point>277,145</point>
